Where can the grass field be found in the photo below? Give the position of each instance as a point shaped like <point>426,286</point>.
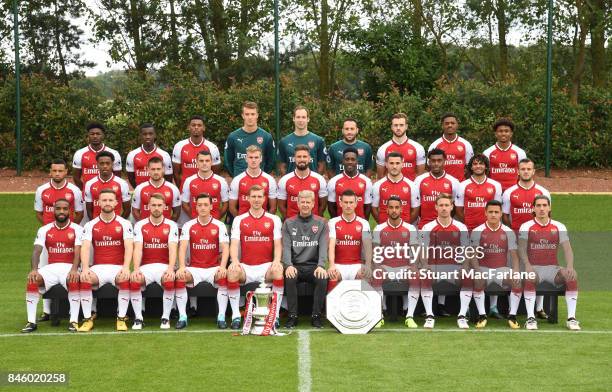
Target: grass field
<point>393,358</point>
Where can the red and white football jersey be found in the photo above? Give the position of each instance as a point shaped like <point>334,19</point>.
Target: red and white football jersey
<point>290,185</point>
<point>85,160</point>
<point>185,153</point>
<point>517,202</point>
<point>350,236</point>
<point>214,185</point>
<point>155,239</point>
<point>543,241</point>
<point>143,192</point>
<point>256,236</point>
<point>239,189</point>
<point>429,188</point>
<point>204,241</point>
<point>458,154</point>
<point>97,184</point>
<point>413,153</point>
<point>108,239</point>
<point>405,189</point>
<point>59,242</point>
<point>138,159</point>
<point>496,244</point>
<point>441,239</point>
<point>47,194</point>
<point>473,197</point>
<point>504,164</point>
<point>360,184</point>
<point>387,235</point>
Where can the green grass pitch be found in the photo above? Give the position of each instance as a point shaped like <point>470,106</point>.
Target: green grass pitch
<point>393,358</point>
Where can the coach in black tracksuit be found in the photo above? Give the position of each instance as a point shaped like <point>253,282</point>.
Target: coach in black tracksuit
<point>305,243</point>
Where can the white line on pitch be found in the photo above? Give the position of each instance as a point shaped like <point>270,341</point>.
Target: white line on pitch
<point>304,376</point>
<point>497,330</point>
<point>98,333</point>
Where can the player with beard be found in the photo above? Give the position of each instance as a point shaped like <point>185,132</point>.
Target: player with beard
<point>335,156</point>
<point>350,179</point>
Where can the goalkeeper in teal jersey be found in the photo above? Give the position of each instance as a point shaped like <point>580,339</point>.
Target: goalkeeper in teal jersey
<point>248,135</point>
<point>301,135</point>
<point>350,129</point>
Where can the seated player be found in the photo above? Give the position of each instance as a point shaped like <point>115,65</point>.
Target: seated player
<point>255,249</point>
<point>304,255</point>
<point>350,243</point>
<point>111,238</point>
<point>392,233</point>
<point>62,240</point>
<point>498,243</point>
<point>206,240</point>
<point>539,241</point>
<point>155,250</point>
<point>441,238</point>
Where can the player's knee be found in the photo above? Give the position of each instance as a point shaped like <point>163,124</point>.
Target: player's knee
<point>168,285</point>
<point>123,284</point>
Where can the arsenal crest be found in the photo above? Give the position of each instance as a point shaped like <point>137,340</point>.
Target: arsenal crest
<point>167,193</point>
<point>213,232</point>
<point>409,152</point>
<point>264,184</point>
<point>489,191</point>
<point>361,185</point>
<point>215,186</point>
<point>311,144</point>
<point>512,156</point>
<point>360,151</point>
<point>70,235</point>
<point>446,186</point>
<point>313,186</point>
<point>115,188</point>
<point>455,234</point>
<point>267,225</point>
<point>166,231</point>
<point>118,229</point>
<point>502,237</point>
<point>404,234</point>
<point>260,140</point>
<point>405,189</point>
<point>358,227</point>
<point>68,196</point>
<point>315,229</point>
<point>459,148</point>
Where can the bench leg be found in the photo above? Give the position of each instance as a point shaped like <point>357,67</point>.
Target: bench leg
<point>553,316</point>
<point>393,313</point>
<point>55,311</point>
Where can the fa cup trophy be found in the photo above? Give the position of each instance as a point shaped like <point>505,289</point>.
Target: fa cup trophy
<point>260,317</point>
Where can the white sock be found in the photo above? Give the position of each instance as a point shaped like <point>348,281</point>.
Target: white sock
<point>181,300</point>
<point>222,300</point>
<point>47,305</point>
<point>383,298</point>
<point>412,300</point>
<point>278,288</point>
<point>94,304</point>
<point>234,299</point>
<point>465,297</point>
<point>167,301</point>
<point>479,299</point>
<point>193,302</point>
<point>86,299</point>
<point>492,301</point>
<point>530,300</point>
<point>405,301</point>
<point>123,299</point>
<point>571,297</point>
<point>136,300</point>
<point>427,296</point>
<point>539,302</point>
<point>441,299</point>
<point>32,298</point>
<point>515,300</point>
<point>74,299</point>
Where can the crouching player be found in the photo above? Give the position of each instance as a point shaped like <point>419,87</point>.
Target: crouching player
<point>111,238</point>
<point>496,241</point>
<point>539,241</point>
<point>62,240</point>
<point>155,249</point>
<point>392,234</point>
<point>255,249</point>
<point>207,241</point>
<point>441,239</point>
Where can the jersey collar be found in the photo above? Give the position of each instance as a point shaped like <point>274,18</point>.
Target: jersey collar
<point>492,229</point>
<point>395,182</point>
<point>257,217</point>
<point>107,181</point>
<point>145,151</point>
<point>196,145</point>
<point>110,221</point>
<point>476,182</point>
<point>349,221</point>
<point>399,144</point>
<point>395,227</point>
<point>61,187</point>
<point>541,225</point>
<point>210,218</point>
<point>156,225</point>
<point>531,187</point>
<point>205,178</point>
<point>437,178</point>
<point>259,175</point>
<point>440,223</point>
<point>347,176</point>
<point>503,149</point>
<point>301,178</point>
<point>450,141</point>
<point>157,187</point>
<point>96,151</point>
<point>62,228</point>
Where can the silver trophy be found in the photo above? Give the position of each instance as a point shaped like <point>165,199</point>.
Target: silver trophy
<point>354,307</point>
<point>262,297</point>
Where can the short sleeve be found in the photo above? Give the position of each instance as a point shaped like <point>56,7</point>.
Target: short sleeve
<point>87,235</point>
<point>420,154</point>
<point>278,225</point>
<point>173,236</point>
<point>138,232</point>
<point>223,237</point>
<point>506,201</point>
<point>186,196</point>
<point>282,188</point>
<point>185,232</point>
<point>331,225</point>
<point>459,198</point>
<point>235,234</point>
<point>168,170</point>
<point>368,192</point>
<point>76,160</point>
<point>233,191</point>
<point>136,198</point>
<point>380,155</point>
<point>273,189</point>
<point>38,203</point>
<point>511,240</point>
<point>125,191</point>
<point>117,163</point>
<point>129,162</point>
<point>331,190</point>
<point>40,236</point>
<point>322,187</point>
<point>176,196</point>
<point>176,153</point>
<point>128,232</point>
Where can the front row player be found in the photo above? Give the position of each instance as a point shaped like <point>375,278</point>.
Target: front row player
<point>539,240</point>
<point>62,240</point>
<point>111,238</point>
<point>207,242</point>
<point>155,249</point>
<point>255,249</point>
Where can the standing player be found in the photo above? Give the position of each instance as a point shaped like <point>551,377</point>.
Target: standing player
<point>62,240</point>
<point>137,160</point>
<point>504,156</point>
<point>539,242</point>
<point>58,188</point>
<point>301,136</point>
<point>335,156</point>
<point>431,185</point>
<point>255,249</point>
<point>248,135</point>
<point>305,241</point>
<point>106,179</point>
<point>155,250</point>
<point>412,152</point>
<point>498,245</point>
<point>458,150</point>
<point>185,152</point>
<point>242,183</point>
<point>474,193</point>
<point>84,163</point>
<point>350,244</point>
<point>156,184</point>
<point>443,234</point>
<point>394,231</point>
<point>206,240</point>
<point>301,179</point>
<point>205,181</point>
<point>350,178</point>
<point>394,184</point>
<point>111,238</point>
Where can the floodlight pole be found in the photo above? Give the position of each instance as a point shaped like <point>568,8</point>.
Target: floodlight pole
<point>276,75</point>
<point>548,140</point>
<point>17,88</point>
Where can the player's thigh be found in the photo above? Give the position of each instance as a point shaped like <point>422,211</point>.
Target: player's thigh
<point>255,273</point>
<point>105,273</point>
<point>55,273</point>
<point>547,273</point>
<point>199,275</point>
<point>153,273</point>
<point>348,271</point>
